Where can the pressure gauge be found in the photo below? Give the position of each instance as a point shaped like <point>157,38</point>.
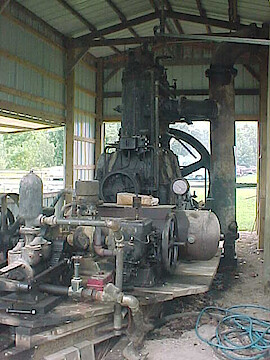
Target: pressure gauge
<point>180,186</point>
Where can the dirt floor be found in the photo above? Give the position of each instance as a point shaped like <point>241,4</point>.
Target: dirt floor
<point>177,339</point>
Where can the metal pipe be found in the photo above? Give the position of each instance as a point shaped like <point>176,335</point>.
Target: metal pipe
<point>119,266</point>
<point>54,289</point>
<point>60,195</point>
<point>157,133</point>
<point>13,285</point>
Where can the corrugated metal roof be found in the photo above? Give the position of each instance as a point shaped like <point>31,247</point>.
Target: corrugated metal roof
<point>101,15</point>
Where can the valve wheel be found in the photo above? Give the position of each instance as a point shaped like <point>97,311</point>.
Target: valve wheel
<point>170,251</point>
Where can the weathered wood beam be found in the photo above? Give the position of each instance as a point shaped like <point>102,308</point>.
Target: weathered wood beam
<point>233,14</point>
<point>86,39</point>
<point>111,75</point>
<point>176,22</point>
<point>202,12</point>
<point>82,19</point>
<point>99,108</point>
<point>3,5</point>
<point>121,16</point>
<point>37,19</point>
<point>198,19</point>
<point>189,92</point>
<point>252,71</point>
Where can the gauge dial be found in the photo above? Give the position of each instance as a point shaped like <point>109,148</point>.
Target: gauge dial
<point>180,186</point>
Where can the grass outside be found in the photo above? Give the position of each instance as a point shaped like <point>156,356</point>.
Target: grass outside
<point>245,204</point>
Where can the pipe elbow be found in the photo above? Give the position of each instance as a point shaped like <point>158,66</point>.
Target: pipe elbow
<point>131,302</point>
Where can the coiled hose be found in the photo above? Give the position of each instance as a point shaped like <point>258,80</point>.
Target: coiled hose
<point>238,335</point>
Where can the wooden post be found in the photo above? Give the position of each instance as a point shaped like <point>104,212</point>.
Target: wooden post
<point>69,145</point>
<point>267,192</point>
<point>99,108</point>
<point>262,149</point>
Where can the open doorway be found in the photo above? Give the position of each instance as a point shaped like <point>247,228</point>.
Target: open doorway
<point>246,141</point>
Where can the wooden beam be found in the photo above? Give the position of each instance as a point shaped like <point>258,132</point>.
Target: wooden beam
<point>203,15</point>
<point>3,5</point>
<point>89,25</point>
<point>199,20</point>
<point>33,31</point>
<point>42,116</point>
<point>252,72</point>
<point>43,24</point>
<point>31,97</point>
<point>262,156</point>
<point>176,22</point>
<point>188,92</point>
<point>111,75</point>
<point>85,90</point>
<point>121,16</point>
<point>70,114</point>
<point>266,224</point>
<point>99,109</point>
<point>233,14</point>
<point>86,39</point>
<point>40,70</point>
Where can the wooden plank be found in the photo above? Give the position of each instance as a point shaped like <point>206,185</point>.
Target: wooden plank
<point>39,116</point>
<point>70,112</point>
<point>190,278</point>
<point>31,66</point>
<point>31,97</point>
<point>84,167</point>
<point>188,92</point>
<point>85,139</point>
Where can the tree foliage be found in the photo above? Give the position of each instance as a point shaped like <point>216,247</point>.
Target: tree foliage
<point>33,149</point>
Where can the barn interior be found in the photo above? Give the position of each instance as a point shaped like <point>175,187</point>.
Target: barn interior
<point>82,267</point>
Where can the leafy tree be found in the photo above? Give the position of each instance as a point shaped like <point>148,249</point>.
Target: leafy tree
<point>246,144</point>
<point>33,149</point>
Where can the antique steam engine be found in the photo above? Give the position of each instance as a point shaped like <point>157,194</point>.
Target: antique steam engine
<point>95,249</point>
<point>142,161</point>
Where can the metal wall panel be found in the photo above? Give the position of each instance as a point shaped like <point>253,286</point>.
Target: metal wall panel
<point>31,71</point>
<point>192,77</point>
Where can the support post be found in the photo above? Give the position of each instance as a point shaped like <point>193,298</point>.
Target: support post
<point>262,162</point>
<point>70,99</point>
<point>223,182</point>
<point>99,108</point>
<point>267,192</point>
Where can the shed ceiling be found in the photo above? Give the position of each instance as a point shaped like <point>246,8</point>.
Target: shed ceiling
<point>100,14</point>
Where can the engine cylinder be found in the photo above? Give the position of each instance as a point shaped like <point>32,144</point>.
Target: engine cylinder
<point>200,231</point>
<point>31,193</point>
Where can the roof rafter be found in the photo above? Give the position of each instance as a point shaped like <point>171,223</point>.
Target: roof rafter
<point>198,19</point>
<point>85,39</point>
<point>121,16</point>
<point>154,6</point>
<point>233,13</point>
<point>3,5</point>
<point>82,19</point>
<point>202,12</point>
<point>176,22</point>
